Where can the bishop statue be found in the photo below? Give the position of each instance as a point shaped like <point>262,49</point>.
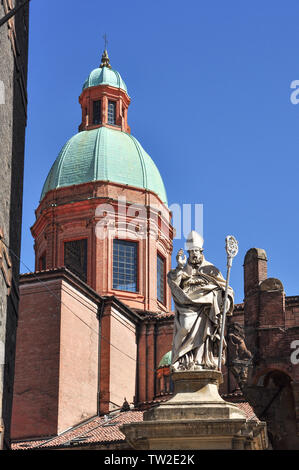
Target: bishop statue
<point>197,287</point>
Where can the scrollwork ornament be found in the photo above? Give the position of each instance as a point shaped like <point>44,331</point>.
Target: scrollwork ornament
<point>231,246</point>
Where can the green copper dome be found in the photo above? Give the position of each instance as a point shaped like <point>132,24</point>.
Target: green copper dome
<point>105,76</point>
<point>105,154</point>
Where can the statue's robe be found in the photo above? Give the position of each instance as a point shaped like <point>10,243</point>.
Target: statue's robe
<point>198,294</point>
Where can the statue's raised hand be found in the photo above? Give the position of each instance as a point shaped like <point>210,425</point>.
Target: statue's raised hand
<point>181,258</point>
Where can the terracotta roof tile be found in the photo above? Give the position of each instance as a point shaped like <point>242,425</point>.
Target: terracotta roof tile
<point>248,410</point>
<point>99,430</point>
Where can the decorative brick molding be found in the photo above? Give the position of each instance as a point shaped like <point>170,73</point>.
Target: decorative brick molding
<point>5,263</point>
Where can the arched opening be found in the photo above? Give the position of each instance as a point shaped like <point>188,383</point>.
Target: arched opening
<point>278,410</point>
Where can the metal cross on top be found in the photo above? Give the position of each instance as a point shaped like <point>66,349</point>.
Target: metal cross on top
<point>105,59</point>
<point>105,40</point>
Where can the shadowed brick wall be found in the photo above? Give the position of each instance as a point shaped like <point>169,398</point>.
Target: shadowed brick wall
<point>271,325</point>
<point>13,116</point>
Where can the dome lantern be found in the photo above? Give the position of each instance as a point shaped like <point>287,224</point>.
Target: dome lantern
<point>104,99</point>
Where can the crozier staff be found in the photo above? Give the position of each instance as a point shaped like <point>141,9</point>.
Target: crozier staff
<point>231,246</point>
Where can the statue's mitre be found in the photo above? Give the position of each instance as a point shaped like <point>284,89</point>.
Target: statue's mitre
<point>194,240</point>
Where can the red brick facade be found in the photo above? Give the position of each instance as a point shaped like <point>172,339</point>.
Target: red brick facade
<point>271,323</point>
<point>63,216</point>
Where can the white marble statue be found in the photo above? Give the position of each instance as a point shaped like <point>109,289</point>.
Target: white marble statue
<point>198,289</point>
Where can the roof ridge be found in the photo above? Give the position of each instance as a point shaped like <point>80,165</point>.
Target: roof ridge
<point>143,167</point>
<point>60,162</point>
<point>96,155</point>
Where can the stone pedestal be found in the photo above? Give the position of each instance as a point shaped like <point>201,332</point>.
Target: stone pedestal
<point>196,417</point>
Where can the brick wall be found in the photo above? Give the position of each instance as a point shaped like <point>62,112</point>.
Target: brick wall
<point>78,370</point>
<point>118,356</point>
<point>56,379</point>
<point>36,388</point>
<point>123,356</point>
<point>155,340</point>
<point>271,325</point>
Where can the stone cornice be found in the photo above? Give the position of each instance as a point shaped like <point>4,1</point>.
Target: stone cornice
<point>122,308</point>
<point>60,273</point>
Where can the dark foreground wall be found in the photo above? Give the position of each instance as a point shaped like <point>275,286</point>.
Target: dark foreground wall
<point>13,116</point>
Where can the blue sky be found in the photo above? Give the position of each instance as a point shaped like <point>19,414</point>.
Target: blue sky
<point>210,90</point>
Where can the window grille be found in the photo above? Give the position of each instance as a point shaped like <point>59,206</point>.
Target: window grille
<point>125,265</point>
<point>161,279</point>
<point>111,112</point>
